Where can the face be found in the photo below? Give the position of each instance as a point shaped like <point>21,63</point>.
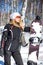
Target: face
<point>18,19</point>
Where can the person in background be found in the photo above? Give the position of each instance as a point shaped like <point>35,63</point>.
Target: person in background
<point>10,39</point>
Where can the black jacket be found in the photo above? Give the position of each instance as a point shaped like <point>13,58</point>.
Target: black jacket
<point>12,43</point>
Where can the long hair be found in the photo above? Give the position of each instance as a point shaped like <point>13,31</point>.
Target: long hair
<point>19,24</point>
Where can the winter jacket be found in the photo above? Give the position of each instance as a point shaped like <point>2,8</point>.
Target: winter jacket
<point>10,43</point>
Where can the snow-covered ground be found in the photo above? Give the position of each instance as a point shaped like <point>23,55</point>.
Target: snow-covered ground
<point>40,54</point>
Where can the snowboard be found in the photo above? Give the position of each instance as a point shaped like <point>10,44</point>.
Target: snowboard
<point>34,43</point>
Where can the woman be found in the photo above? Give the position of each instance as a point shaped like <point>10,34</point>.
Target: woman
<point>11,44</point>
